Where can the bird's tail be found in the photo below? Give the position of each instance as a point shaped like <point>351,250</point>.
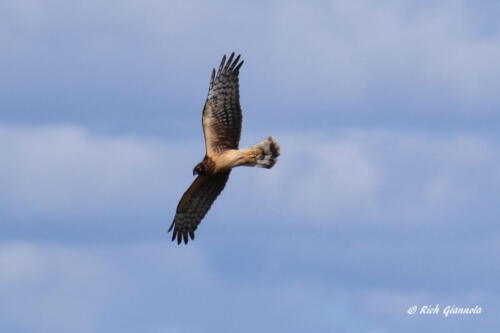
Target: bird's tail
<point>268,152</point>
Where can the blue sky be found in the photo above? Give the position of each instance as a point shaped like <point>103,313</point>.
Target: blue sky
<point>384,196</point>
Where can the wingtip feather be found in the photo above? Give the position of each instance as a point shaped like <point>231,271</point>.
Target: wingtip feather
<point>229,61</point>
<point>212,79</point>
<point>235,62</point>
<point>221,66</point>
<point>239,66</point>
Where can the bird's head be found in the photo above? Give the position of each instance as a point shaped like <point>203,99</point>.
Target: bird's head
<point>199,169</point>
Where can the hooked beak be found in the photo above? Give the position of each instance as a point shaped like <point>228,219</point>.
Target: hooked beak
<point>194,172</point>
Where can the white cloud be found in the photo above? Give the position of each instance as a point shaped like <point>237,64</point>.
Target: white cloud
<point>160,287</point>
<point>335,176</point>
<point>49,287</point>
<point>65,172</point>
<point>383,177</point>
<point>349,49</point>
<point>321,186</point>
<point>67,175</point>
<point>20,263</point>
<point>155,286</point>
<point>435,53</point>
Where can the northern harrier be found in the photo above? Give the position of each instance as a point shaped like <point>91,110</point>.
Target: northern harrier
<point>221,122</point>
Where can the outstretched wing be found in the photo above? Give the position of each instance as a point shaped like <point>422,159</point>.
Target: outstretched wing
<point>195,203</point>
<point>222,112</point>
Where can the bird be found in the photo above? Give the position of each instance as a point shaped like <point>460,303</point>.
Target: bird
<point>221,122</point>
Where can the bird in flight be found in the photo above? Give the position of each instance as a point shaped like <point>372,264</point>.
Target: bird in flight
<point>221,121</point>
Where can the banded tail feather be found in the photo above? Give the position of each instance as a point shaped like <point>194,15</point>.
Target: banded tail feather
<point>269,152</point>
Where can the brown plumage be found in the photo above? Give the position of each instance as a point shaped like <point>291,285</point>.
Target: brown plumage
<point>221,122</point>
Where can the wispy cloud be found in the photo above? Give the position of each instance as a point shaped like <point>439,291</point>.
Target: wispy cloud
<point>65,170</point>
<point>142,66</point>
<point>384,196</point>
<point>63,174</point>
<point>160,288</point>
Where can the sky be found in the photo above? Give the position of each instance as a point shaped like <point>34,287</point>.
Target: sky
<point>384,196</point>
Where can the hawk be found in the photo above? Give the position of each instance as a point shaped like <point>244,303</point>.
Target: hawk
<point>221,121</point>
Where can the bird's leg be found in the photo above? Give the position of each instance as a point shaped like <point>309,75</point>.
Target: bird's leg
<point>234,158</point>
<point>252,156</point>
